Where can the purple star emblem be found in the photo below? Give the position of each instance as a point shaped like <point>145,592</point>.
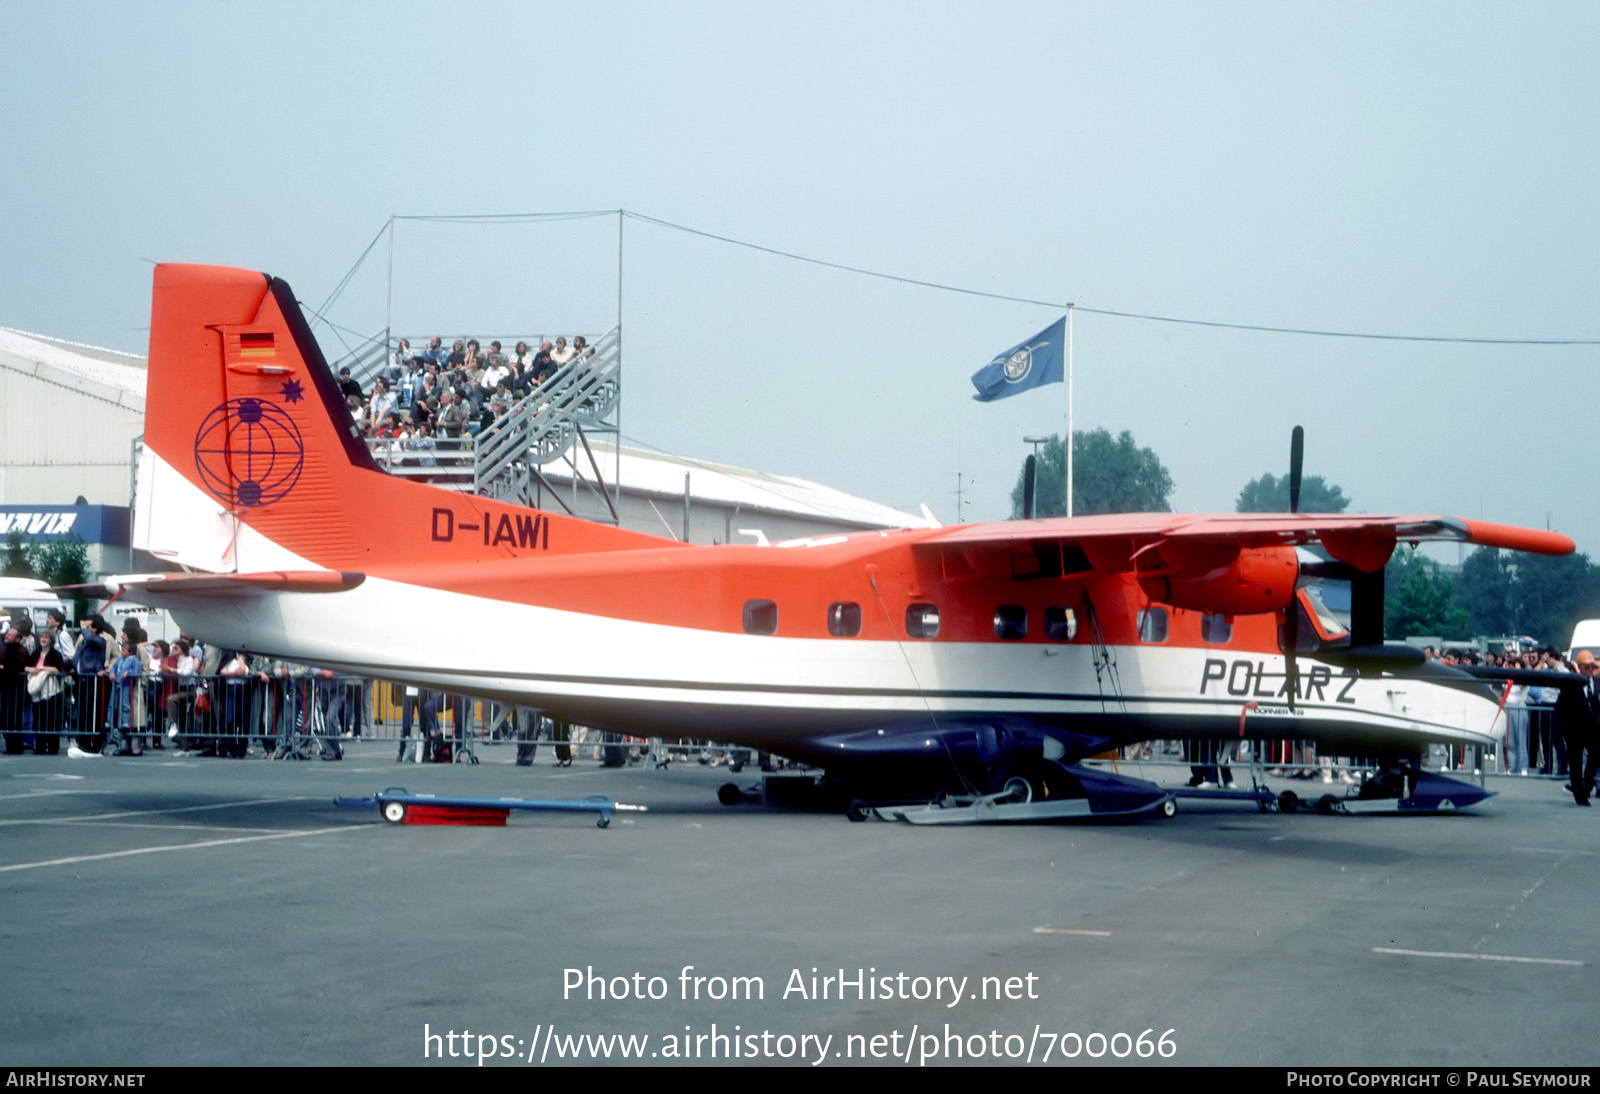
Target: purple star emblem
<point>292,391</point>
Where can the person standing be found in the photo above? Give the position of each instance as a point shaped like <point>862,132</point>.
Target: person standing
<point>13,689</point>
<point>94,655</point>
<point>1578,711</point>
<point>49,696</point>
<point>1517,730</point>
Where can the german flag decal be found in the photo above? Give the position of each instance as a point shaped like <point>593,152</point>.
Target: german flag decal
<point>256,344</point>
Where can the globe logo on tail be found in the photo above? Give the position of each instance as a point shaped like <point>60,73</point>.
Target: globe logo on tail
<point>249,452</point>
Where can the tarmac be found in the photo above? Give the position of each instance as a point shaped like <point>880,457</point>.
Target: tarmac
<point>169,910</point>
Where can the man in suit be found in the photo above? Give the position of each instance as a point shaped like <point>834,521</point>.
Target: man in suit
<point>1578,711</point>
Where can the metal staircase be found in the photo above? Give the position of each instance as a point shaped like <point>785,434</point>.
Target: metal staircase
<point>550,422</point>
<point>504,461</point>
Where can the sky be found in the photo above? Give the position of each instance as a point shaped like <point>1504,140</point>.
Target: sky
<point>1415,169</point>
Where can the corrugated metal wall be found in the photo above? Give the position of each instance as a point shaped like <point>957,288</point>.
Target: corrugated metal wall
<point>61,437</point>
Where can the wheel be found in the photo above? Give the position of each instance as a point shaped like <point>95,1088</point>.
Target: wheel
<point>858,810</point>
<point>1169,809</point>
<point>603,822</point>
<point>1017,791</point>
<point>729,794</point>
<point>394,812</point>
<point>1031,781</point>
<point>1327,804</point>
<point>1288,801</point>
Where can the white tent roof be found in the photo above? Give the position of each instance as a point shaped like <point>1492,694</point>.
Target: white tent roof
<point>661,475</point>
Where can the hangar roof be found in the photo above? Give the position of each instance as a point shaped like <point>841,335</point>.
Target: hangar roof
<point>122,371</point>
<point>656,474</point>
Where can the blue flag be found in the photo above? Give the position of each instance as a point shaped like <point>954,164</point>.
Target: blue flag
<point>1025,365</point>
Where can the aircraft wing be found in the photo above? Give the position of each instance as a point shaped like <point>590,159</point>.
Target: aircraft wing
<point>1113,542</point>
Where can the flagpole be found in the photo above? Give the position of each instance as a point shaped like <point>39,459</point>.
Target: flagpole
<point>1069,410</point>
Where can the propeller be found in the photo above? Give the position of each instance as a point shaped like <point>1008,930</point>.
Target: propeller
<point>1291,614</point>
<point>1030,472</point>
<point>1297,459</point>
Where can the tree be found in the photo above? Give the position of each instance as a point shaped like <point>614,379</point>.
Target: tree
<point>1552,593</point>
<point>1484,592</point>
<point>63,561</point>
<point>1538,595</point>
<point>1270,494</point>
<point>16,564</point>
<point>1109,475</point>
<point>1420,600</point>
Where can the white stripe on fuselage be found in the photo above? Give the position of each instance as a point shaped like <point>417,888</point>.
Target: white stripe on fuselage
<point>549,658</point>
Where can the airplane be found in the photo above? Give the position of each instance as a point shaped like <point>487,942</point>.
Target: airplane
<point>981,659</point>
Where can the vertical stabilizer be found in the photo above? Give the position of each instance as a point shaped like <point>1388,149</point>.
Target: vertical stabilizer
<point>251,461</point>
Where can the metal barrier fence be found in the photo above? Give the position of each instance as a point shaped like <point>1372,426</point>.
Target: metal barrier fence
<point>298,714</point>
<point>301,715</point>
<point>311,713</point>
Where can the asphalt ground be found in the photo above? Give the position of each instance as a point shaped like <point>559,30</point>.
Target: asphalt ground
<point>171,911</point>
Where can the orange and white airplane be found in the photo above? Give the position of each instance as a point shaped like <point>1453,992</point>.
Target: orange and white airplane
<point>964,656</point>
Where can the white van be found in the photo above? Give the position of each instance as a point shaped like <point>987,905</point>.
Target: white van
<point>21,596</point>
<point>1585,636</point>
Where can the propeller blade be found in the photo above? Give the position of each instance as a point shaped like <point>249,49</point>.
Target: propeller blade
<point>1297,459</point>
<point>1030,472</point>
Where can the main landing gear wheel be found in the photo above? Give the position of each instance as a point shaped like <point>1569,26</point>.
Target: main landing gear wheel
<point>1288,801</point>
<point>729,794</point>
<point>1327,804</point>
<point>858,810</point>
<point>1017,791</point>
<point>1019,784</point>
<point>394,812</point>
<point>1169,809</point>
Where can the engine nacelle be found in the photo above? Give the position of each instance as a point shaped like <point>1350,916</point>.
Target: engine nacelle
<point>1257,580</point>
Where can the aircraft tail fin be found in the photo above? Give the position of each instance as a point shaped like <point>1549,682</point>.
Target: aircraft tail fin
<point>252,463</point>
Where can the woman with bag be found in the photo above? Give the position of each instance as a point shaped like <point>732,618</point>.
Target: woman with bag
<point>47,689</point>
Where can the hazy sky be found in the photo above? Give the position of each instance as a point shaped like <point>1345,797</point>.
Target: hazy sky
<point>1405,168</point>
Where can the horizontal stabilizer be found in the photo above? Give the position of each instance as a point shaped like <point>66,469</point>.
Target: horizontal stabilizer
<point>272,581</point>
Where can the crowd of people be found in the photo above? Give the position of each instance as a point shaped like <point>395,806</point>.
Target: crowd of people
<point>111,693</point>
<point>105,693</point>
<point>432,397</point>
<point>1550,729</point>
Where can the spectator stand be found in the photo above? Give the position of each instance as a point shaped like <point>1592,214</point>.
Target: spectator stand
<point>550,423</point>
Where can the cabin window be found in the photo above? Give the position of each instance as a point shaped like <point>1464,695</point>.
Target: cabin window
<point>760,617</point>
<point>922,621</point>
<point>1011,622</point>
<point>1153,625</point>
<point>1060,624</point>
<point>1215,628</point>
<point>844,619</point>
